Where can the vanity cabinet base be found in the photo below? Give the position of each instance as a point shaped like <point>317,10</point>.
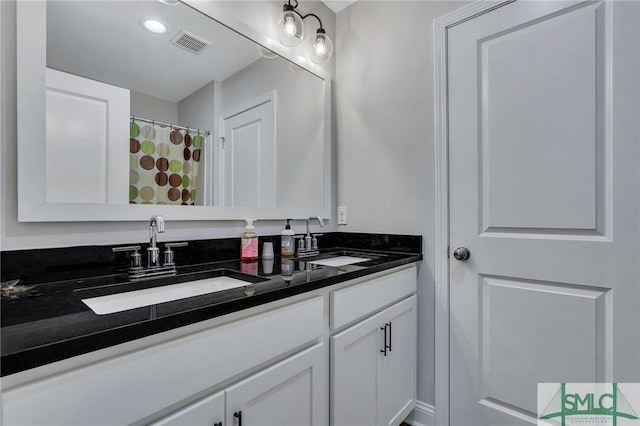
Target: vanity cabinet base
<point>373,370</point>
<point>282,365</point>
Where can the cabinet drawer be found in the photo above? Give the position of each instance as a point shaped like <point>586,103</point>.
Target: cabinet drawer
<point>131,387</point>
<point>358,301</point>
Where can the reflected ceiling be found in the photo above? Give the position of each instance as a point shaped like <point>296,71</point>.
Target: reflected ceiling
<point>96,27</point>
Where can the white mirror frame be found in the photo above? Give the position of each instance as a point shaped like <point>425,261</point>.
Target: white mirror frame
<point>31,109</point>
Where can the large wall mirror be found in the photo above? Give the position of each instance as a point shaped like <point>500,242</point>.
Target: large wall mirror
<point>188,118</point>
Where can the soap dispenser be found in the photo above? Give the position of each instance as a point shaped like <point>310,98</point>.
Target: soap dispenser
<point>249,242</point>
<point>287,245</point>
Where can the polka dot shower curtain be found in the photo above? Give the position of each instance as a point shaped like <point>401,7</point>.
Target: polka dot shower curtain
<point>164,164</point>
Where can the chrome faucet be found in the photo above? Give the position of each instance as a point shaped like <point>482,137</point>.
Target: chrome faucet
<point>309,223</point>
<point>309,246</point>
<point>156,224</point>
<point>154,266</point>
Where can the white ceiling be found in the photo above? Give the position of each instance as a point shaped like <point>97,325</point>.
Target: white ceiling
<point>338,5</point>
<point>104,41</point>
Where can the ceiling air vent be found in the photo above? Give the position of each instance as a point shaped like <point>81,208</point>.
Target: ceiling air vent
<point>190,42</point>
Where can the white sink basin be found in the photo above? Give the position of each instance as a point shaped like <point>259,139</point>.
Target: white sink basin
<point>152,296</point>
<point>340,261</point>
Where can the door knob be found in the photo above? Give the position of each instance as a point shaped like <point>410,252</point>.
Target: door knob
<point>462,253</point>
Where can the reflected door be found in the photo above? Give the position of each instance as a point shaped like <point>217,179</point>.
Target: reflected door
<point>87,143</point>
<point>248,157</point>
<point>544,194</point>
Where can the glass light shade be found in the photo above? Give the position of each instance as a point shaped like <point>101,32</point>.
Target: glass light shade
<point>320,48</point>
<point>290,28</point>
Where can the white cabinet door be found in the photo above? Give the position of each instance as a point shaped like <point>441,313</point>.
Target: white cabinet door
<point>354,358</point>
<point>397,370</point>
<point>290,393</point>
<point>206,412</point>
<point>373,368</point>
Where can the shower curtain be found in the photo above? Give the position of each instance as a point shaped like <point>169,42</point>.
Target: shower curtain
<point>164,164</point>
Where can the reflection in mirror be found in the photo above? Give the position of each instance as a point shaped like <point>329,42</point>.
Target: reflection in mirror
<point>196,114</point>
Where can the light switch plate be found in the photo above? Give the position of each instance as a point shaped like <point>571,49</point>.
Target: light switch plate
<point>342,215</point>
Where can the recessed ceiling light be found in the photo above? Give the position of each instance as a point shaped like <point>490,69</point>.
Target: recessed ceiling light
<point>154,26</point>
<point>170,2</point>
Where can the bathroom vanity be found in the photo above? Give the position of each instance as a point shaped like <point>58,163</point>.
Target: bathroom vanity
<point>324,345</point>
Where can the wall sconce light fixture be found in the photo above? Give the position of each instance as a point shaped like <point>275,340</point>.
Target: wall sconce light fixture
<point>291,33</point>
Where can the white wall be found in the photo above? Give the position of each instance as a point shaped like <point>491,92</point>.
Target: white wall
<point>153,108</point>
<point>197,109</point>
<point>385,149</point>
<point>15,235</point>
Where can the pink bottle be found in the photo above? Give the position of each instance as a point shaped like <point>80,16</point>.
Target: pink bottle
<point>249,242</point>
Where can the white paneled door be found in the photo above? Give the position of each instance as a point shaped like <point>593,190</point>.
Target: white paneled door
<point>87,134</point>
<point>544,189</point>
<point>248,155</point>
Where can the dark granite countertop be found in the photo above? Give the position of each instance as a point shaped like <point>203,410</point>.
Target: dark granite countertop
<point>56,324</point>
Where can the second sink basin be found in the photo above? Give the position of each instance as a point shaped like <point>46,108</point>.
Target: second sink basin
<point>340,261</point>
<point>341,258</point>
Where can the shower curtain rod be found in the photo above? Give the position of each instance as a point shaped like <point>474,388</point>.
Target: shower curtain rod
<point>173,126</point>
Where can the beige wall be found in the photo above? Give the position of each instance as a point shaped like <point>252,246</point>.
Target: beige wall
<point>385,130</point>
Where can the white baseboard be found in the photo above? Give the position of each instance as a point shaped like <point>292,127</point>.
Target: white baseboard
<point>423,415</point>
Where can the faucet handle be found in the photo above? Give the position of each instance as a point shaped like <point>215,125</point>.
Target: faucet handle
<point>314,241</point>
<point>168,253</point>
<point>135,258</point>
<point>300,239</point>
